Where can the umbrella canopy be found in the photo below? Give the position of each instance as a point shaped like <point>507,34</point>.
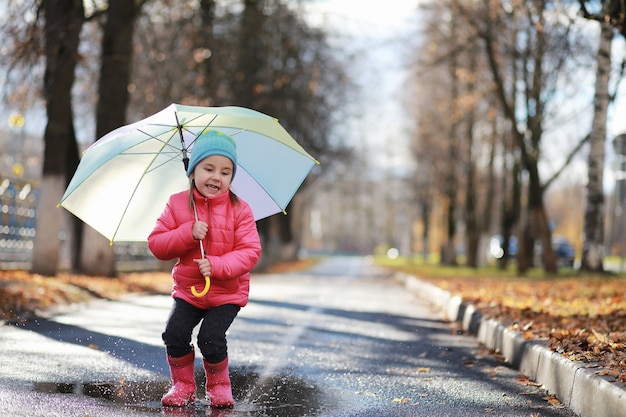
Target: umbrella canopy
<point>123,180</point>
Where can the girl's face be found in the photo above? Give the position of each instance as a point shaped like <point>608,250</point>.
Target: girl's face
<point>213,175</point>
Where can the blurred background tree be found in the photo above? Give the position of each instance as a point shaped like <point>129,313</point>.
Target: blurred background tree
<point>509,70</point>
<point>258,54</point>
<point>496,114</point>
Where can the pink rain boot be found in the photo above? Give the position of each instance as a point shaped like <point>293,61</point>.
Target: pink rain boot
<point>218,389</point>
<point>183,389</point>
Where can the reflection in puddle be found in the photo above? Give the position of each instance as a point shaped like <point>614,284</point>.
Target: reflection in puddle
<point>277,396</point>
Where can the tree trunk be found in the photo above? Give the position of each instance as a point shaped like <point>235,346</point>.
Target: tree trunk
<point>511,209</point>
<point>535,225</point>
<point>487,208</point>
<point>64,20</point>
<point>593,244</point>
<point>539,222</point>
<point>425,215</point>
<point>75,226</point>
<point>207,13</point>
<point>451,186</point>
<point>472,222</point>
<point>97,255</point>
<point>250,53</point>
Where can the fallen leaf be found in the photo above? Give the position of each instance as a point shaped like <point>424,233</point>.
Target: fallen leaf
<point>402,400</point>
<point>552,400</point>
<point>526,381</point>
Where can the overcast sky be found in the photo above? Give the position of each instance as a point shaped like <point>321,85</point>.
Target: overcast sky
<point>379,34</point>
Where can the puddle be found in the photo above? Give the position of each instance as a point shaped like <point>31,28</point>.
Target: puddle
<point>277,396</point>
<point>118,391</point>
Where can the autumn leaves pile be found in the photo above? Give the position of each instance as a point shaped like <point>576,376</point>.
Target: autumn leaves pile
<point>583,319</point>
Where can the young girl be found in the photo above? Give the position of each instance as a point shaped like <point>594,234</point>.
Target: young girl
<point>210,216</point>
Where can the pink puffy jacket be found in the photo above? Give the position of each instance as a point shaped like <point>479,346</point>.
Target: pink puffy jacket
<point>232,247</point>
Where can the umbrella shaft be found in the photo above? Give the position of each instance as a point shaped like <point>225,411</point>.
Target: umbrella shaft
<point>195,213</point>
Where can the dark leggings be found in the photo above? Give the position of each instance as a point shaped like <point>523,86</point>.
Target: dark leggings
<point>211,335</point>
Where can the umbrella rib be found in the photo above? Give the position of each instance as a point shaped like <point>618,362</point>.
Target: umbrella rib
<point>210,124</point>
<point>150,168</point>
<point>171,158</point>
<point>164,142</point>
<point>184,126</point>
<point>196,135</point>
<point>173,153</point>
<point>298,147</point>
<point>199,116</point>
<point>117,228</point>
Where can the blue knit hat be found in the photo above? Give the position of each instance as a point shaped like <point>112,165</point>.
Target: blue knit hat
<point>212,142</point>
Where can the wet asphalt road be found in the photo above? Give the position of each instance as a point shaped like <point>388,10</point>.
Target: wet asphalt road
<point>342,339</point>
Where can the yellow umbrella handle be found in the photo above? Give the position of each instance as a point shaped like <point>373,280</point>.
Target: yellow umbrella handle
<point>205,290</point>
<point>207,284</point>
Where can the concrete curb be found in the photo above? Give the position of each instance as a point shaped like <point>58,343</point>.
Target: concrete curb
<point>586,394</point>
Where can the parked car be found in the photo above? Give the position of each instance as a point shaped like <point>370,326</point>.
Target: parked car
<point>565,253</point>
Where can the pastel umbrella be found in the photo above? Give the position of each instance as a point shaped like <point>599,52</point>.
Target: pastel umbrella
<point>124,179</point>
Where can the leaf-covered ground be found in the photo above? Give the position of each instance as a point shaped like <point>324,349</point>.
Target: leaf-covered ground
<point>583,319</point>
<point>23,294</point>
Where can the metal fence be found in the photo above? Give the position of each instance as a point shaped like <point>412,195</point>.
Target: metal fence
<point>18,218</point>
<point>135,256</point>
<point>18,209</point>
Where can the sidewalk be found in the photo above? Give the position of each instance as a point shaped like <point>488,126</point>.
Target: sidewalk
<point>93,350</point>
<point>578,388</point>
